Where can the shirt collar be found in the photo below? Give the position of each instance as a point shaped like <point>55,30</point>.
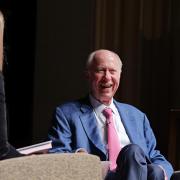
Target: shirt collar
<point>99,106</point>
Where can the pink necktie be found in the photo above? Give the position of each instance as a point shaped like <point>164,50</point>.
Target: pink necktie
<point>113,140</point>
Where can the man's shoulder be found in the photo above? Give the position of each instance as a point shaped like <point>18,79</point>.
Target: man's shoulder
<point>77,103</point>
<point>125,106</point>
<point>130,111</point>
<point>68,104</point>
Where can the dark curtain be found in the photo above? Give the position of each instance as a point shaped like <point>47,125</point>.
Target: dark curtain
<point>145,35</point>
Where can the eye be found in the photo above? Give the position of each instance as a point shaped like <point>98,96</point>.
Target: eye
<point>100,70</point>
<point>113,71</point>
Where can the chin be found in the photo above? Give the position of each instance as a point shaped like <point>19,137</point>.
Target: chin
<point>106,100</point>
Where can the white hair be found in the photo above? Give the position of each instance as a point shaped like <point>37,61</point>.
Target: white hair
<point>91,58</point>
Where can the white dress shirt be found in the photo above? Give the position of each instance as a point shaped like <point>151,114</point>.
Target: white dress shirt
<point>101,122</point>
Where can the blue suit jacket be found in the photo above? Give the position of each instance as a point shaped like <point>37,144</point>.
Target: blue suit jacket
<point>75,126</point>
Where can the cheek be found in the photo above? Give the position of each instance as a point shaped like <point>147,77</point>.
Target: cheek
<point>94,82</point>
<point>116,81</point>
<point>96,79</point>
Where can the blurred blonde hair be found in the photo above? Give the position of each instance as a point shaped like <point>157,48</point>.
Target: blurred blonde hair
<point>1,23</point>
<point>1,39</point>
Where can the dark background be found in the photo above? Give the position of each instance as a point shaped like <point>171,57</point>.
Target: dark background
<point>47,43</point>
<point>19,52</point>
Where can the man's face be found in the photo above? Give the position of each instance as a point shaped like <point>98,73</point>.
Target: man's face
<point>104,76</point>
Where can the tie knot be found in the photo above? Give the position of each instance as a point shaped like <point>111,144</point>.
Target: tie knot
<point>107,112</point>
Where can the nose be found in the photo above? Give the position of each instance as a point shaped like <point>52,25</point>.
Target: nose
<point>107,74</point>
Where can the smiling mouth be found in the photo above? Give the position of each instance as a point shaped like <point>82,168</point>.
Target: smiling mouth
<point>104,86</point>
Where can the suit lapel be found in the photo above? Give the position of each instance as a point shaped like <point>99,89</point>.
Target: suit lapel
<point>89,123</point>
<point>128,121</point>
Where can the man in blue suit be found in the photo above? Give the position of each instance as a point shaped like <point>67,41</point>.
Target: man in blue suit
<point>80,126</point>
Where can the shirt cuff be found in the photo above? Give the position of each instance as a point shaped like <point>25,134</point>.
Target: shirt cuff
<point>81,150</point>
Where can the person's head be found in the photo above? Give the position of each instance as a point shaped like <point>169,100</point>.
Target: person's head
<point>103,70</point>
<point>1,39</point>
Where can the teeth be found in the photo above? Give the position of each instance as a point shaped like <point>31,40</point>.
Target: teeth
<point>106,85</point>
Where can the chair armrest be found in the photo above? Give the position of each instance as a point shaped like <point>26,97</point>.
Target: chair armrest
<point>176,175</point>
<point>73,166</point>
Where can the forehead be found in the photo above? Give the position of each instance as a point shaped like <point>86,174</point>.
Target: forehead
<point>106,59</point>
